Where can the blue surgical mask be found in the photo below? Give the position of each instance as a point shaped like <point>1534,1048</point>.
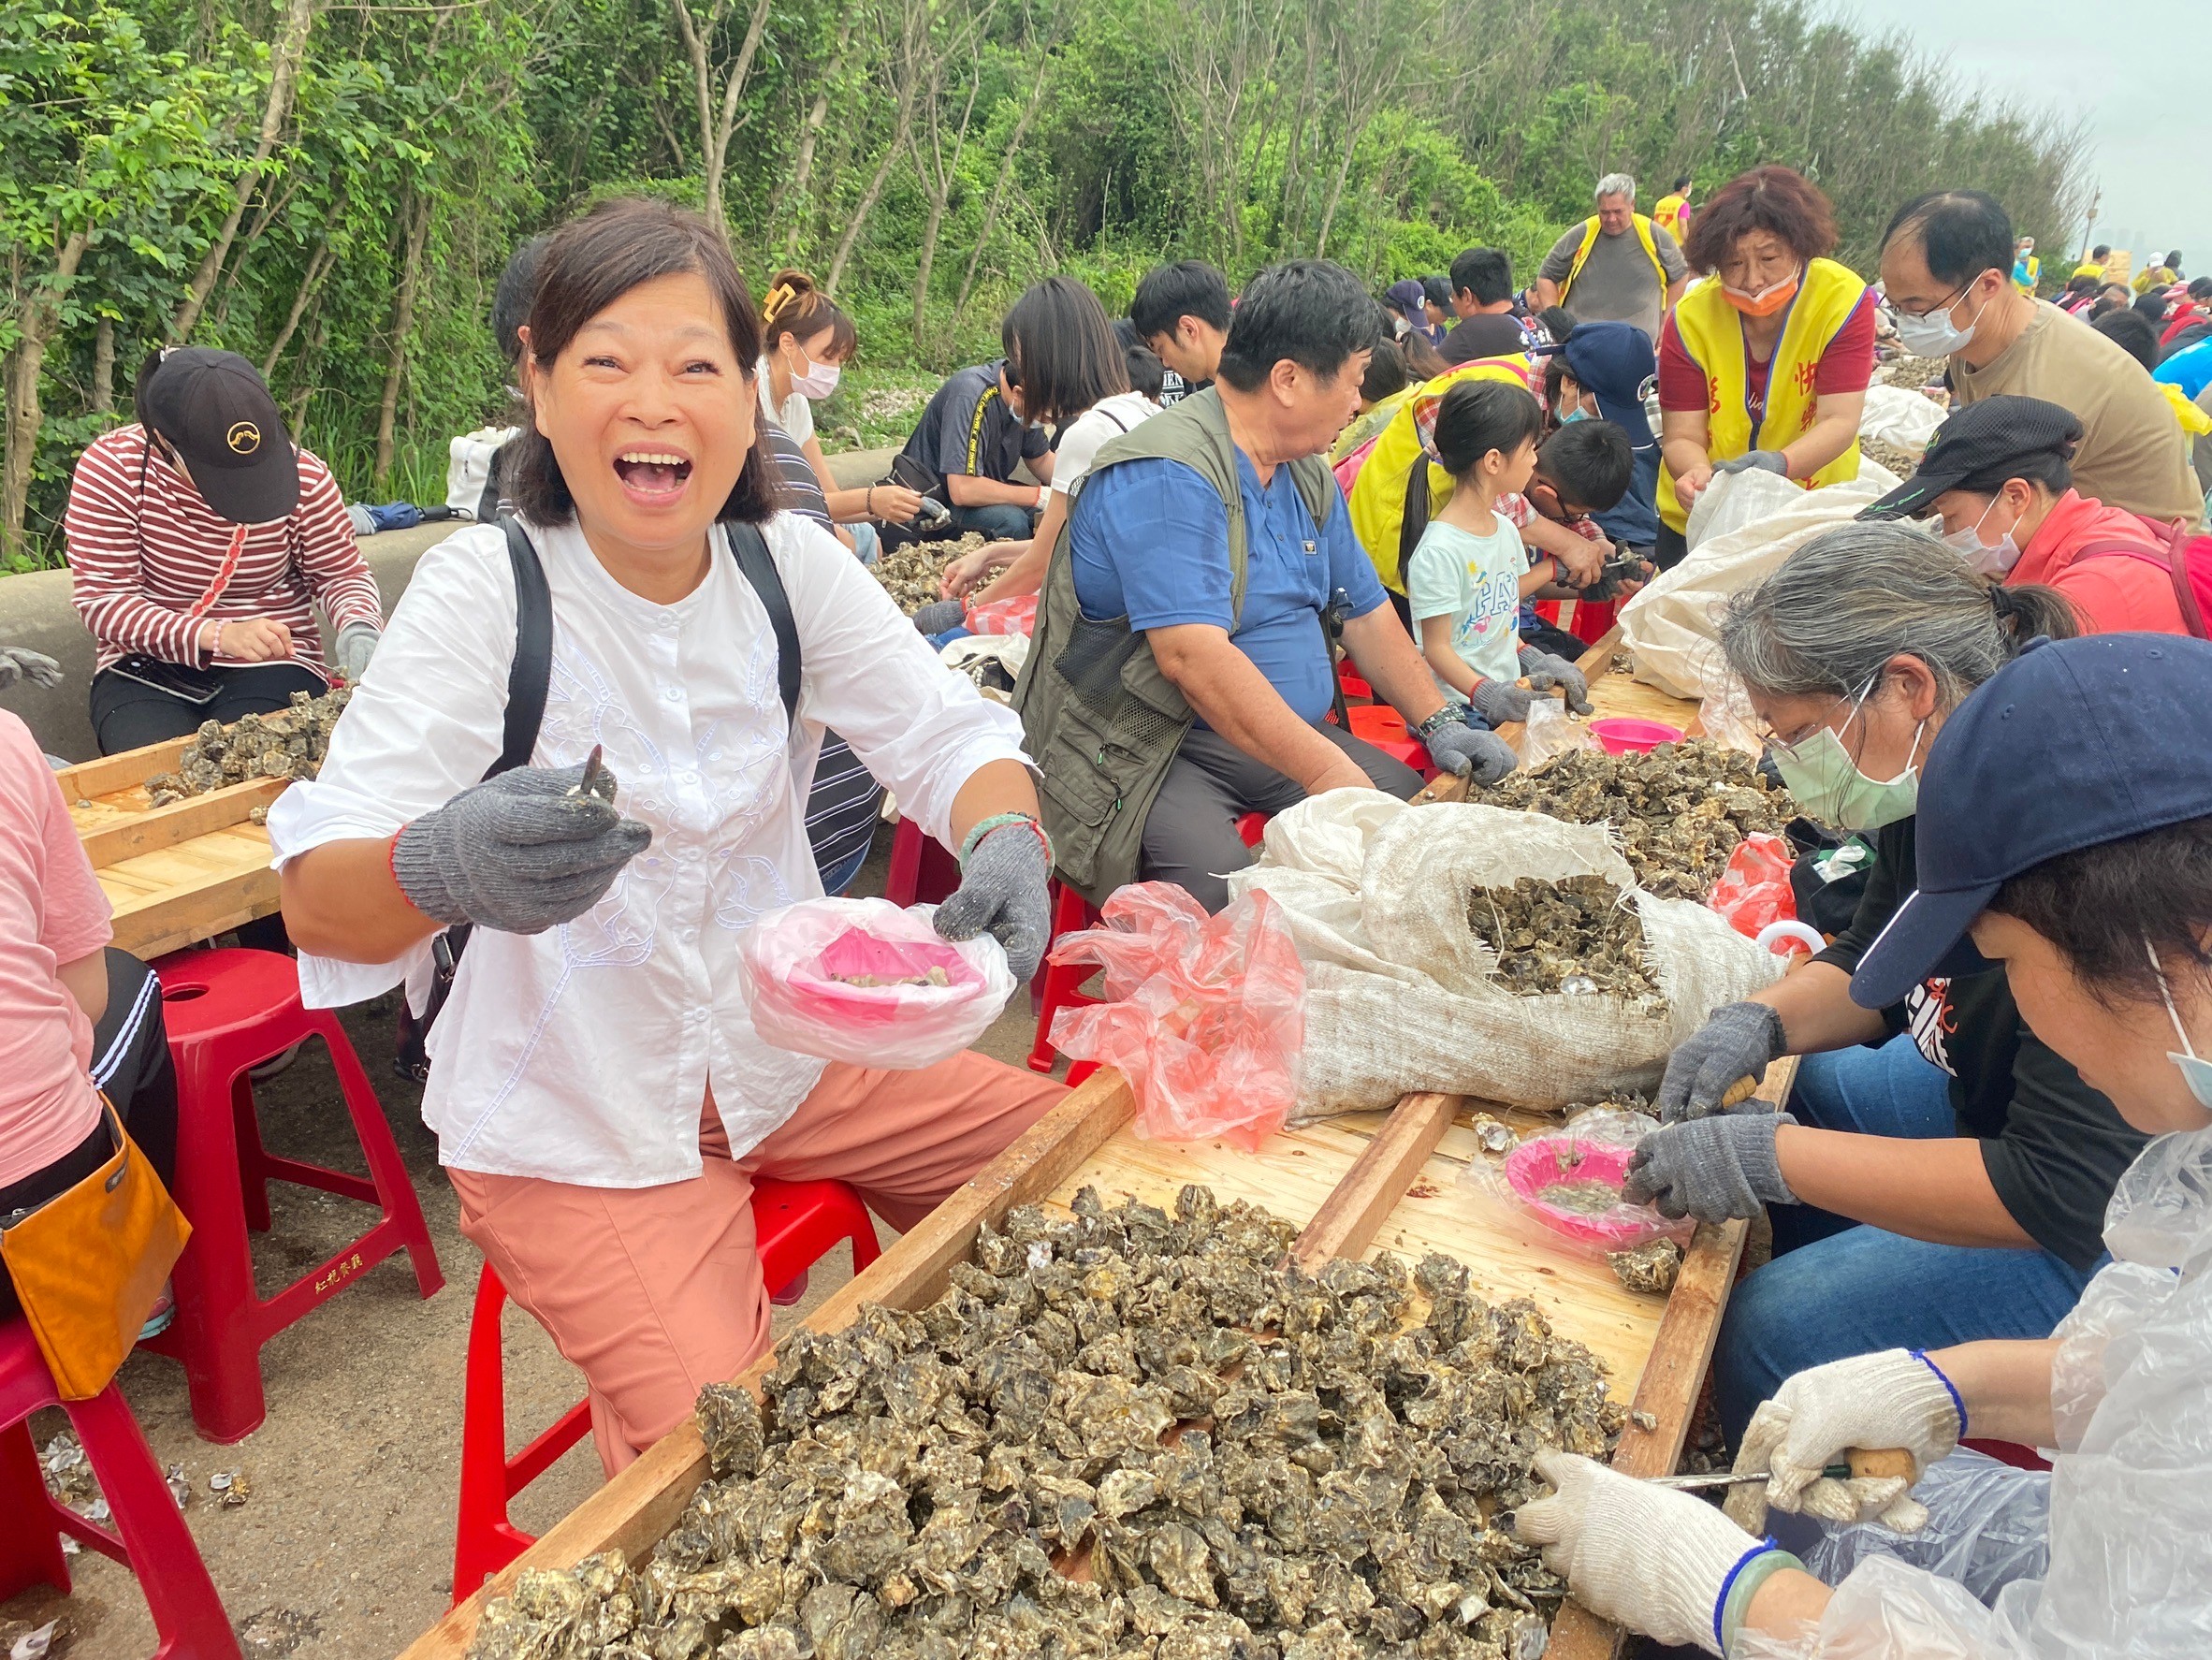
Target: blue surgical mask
<point>2196,1071</point>
<point>1574,414</point>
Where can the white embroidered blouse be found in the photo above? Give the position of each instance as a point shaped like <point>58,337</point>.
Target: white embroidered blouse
<point>582,1054</point>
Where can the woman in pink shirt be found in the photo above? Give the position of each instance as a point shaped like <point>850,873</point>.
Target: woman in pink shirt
<point>1997,473</point>
<point>77,1018</point>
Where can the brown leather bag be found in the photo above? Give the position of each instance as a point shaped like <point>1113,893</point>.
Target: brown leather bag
<point>88,1264</point>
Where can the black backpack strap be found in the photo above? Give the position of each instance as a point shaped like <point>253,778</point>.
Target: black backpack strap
<point>759,566</point>
<point>529,677</point>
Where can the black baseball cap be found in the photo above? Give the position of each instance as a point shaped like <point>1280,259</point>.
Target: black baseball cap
<point>214,408</point>
<point>1982,439</point>
<point>2072,743</point>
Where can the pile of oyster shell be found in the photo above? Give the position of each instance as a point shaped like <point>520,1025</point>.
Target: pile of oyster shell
<point>1127,1434</point>
<point>289,743</point>
<point>1681,809</point>
<point>911,573</point>
<point>1579,933</point>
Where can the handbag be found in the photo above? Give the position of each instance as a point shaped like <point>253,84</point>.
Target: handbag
<point>88,1264</point>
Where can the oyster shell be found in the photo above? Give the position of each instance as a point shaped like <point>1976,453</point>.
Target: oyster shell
<point>1649,1267</point>
<point>1579,934</point>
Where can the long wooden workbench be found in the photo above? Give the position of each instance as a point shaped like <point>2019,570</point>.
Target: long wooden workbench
<point>1356,1185</point>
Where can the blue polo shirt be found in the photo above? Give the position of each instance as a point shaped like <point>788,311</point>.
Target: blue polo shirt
<point>1150,542</point>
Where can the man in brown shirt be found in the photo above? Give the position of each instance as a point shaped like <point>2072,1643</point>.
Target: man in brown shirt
<point>1947,265</point>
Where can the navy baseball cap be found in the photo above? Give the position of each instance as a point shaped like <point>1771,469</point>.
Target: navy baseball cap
<point>1615,362</point>
<point>2073,744</point>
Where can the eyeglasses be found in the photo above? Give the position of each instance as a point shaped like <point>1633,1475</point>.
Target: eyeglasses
<point>1786,746</point>
<point>1943,304</point>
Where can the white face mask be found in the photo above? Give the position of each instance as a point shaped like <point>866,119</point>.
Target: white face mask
<point>1987,558</point>
<point>1935,335</point>
<point>818,381</point>
<point>2196,1071</point>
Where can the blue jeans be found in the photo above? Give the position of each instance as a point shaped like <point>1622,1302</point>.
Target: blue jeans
<point>1002,521</point>
<point>866,543</point>
<point>1836,1287</point>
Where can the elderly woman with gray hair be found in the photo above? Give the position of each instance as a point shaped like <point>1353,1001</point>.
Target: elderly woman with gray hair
<point>1941,1176</point>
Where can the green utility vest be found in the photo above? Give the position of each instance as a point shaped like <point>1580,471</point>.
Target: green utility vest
<point>1100,720</point>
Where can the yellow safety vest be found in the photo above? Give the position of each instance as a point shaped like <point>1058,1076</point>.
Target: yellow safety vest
<point>1590,233</point>
<point>2035,273</point>
<point>1713,334</point>
<point>2089,268</point>
<point>1377,501</point>
<point>1667,216</point>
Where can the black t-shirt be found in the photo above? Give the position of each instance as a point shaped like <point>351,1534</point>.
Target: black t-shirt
<point>968,428</point>
<point>2053,1147</point>
<point>1487,334</point>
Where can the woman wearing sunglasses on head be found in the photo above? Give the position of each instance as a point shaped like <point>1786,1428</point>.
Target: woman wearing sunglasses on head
<point>200,540</point>
<point>2066,837</point>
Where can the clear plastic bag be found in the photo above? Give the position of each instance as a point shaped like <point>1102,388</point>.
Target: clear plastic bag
<point>1558,1179</point>
<point>864,982</point>
<point>1549,731</point>
<point>1754,892</point>
<point>1203,1014</point>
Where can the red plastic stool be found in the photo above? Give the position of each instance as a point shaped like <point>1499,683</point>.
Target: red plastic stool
<point>1349,678</point>
<point>921,872</point>
<point>228,1011</point>
<point>1385,728</point>
<point>150,1537</point>
<point>795,1223</point>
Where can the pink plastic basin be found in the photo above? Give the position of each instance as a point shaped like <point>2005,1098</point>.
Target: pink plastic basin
<point>1533,1166</point>
<point>1620,735</point>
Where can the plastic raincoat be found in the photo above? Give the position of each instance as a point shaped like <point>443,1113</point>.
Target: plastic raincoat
<point>2110,1554</point>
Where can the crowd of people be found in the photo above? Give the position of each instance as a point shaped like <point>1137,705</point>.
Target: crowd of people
<point>1989,1194</point>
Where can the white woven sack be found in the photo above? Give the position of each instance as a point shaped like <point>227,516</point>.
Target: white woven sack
<point>1669,627</point>
<point>1901,416</point>
<point>1428,1013</point>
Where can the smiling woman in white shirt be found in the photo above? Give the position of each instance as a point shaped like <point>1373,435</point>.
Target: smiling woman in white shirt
<point>601,1100</point>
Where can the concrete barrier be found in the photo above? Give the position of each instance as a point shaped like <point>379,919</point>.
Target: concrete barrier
<point>35,612</point>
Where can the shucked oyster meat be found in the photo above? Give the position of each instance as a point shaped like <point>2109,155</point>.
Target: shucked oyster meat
<point>1681,809</point>
<point>1130,1433</point>
<point>1579,934</point>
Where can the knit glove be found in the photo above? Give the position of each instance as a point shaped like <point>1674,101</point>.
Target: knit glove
<point>17,662</point>
<point>1501,701</point>
<point>1545,671</point>
<point>1003,892</point>
<point>517,853</point>
<point>940,615</point>
<point>1472,752</point>
<point>1895,1398</point>
<point>1736,1041</point>
<point>355,646</point>
<point>1713,1168</point>
<point>1663,1562</point>
<point>1758,461</point>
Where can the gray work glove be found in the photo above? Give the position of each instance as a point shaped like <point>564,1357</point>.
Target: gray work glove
<point>1736,1041</point>
<point>17,662</point>
<point>1003,892</point>
<point>1472,752</point>
<point>517,853</point>
<point>939,615</point>
<point>1500,702</point>
<point>355,644</point>
<point>1714,1169</point>
<point>1758,460</point>
<point>1545,671</point>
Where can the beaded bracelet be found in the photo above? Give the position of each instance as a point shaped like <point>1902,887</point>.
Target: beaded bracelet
<point>1000,821</point>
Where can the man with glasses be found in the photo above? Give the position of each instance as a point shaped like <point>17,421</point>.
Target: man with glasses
<point>1947,265</point>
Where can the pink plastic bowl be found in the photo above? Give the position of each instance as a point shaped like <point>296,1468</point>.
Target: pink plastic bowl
<point>1620,735</point>
<point>854,952</point>
<point>1533,1166</point>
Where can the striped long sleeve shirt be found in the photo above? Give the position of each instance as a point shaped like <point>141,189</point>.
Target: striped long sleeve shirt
<point>147,558</point>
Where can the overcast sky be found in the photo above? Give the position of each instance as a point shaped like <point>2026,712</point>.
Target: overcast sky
<point>2141,75</point>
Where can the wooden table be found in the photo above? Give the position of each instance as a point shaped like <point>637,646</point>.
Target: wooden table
<point>1357,1184</point>
<point>176,875</point>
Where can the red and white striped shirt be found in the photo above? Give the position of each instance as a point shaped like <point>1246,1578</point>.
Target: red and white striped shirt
<point>147,559</point>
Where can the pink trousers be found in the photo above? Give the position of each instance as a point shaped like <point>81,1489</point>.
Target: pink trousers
<point>656,1291</point>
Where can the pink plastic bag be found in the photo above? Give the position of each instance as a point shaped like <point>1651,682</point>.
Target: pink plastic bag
<point>1204,1015</point>
<point>1016,615</point>
<point>801,961</point>
<point>1755,890</point>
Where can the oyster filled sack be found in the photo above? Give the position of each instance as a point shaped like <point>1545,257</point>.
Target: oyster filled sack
<point>1479,951</point>
<point>1752,522</point>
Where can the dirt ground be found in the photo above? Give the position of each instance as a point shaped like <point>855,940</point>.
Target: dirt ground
<point>345,1547</point>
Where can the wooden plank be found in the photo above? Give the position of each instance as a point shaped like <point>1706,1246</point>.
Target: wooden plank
<point>633,1511</point>
<point>109,773</point>
<point>171,897</point>
<point>132,834</point>
<point>1353,1214</point>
